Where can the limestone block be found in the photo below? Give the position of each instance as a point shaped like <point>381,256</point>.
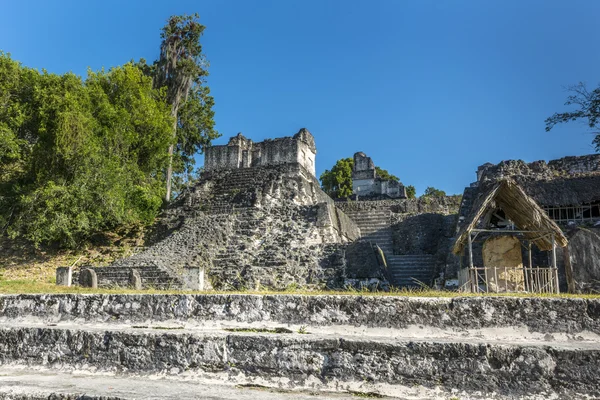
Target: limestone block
<point>504,264</point>
<point>88,278</point>
<point>193,278</point>
<point>135,280</point>
<point>64,276</point>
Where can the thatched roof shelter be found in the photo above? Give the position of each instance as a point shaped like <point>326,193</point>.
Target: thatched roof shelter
<point>520,208</point>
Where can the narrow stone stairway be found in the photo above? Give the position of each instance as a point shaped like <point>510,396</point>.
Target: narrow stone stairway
<point>413,270</point>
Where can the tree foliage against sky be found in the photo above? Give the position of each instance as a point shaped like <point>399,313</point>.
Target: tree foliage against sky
<point>80,156</point>
<point>337,182</point>
<point>181,69</point>
<point>587,108</point>
<point>433,192</point>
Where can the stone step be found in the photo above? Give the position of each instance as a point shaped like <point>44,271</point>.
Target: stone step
<point>319,361</point>
<point>38,384</point>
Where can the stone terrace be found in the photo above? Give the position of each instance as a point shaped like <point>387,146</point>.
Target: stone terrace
<point>436,348</point>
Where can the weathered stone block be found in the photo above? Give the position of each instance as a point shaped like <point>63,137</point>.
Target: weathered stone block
<point>88,278</point>
<point>64,276</point>
<point>135,279</point>
<point>193,278</point>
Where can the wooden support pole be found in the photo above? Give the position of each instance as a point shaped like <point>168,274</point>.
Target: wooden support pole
<point>556,290</point>
<point>474,282</point>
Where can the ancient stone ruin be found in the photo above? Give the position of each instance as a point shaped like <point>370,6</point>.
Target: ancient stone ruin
<point>180,347</point>
<point>366,182</point>
<point>258,218</point>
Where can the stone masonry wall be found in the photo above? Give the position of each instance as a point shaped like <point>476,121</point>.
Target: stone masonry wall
<point>572,316</point>
<point>241,152</point>
<point>564,167</point>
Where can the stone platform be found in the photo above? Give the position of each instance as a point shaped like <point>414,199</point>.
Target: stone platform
<point>419,348</point>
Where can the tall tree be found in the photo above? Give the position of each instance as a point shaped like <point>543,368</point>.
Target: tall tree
<point>181,66</point>
<point>587,108</point>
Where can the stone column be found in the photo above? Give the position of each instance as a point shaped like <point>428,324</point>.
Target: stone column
<point>64,276</point>
<point>135,279</point>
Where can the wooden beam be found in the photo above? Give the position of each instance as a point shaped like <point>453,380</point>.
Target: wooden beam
<point>556,290</point>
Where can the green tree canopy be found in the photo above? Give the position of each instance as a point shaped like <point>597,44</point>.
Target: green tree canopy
<point>80,156</point>
<point>587,105</point>
<point>337,182</point>
<point>433,192</point>
<point>382,173</point>
<point>85,156</point>
<point>411,192</point>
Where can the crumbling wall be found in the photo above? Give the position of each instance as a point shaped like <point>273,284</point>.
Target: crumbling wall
<point>584,252</point>
<point>563,167</point>
<point>242,152</point>
<point>421,205</point>
<point>426,225</point>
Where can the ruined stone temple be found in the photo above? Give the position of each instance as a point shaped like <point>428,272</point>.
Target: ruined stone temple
<point>258,218</point>
<point>367,184</point>
<point>560,196</point>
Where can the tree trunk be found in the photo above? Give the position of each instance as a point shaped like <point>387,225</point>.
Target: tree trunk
<point>171,150</point>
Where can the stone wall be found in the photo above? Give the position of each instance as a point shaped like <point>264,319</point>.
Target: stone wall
<point>564,167</point>
<point>423,226</point>
<point>573,316</point>
<point>584,254</point>
<point>374,346</point>
<point>241,152</point>
<point>422,205</point>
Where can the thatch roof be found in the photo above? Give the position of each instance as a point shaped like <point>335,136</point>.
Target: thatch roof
<point>520,208</point>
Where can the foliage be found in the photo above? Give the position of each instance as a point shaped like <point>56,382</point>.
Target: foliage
<point>79,156</point>
<point>383,174</point>
<point>588,108</point>
<point>181,70</point>
<point>337,183</point>
<point>84,156</point>
<point>433,192</point>
<point>411,192</point>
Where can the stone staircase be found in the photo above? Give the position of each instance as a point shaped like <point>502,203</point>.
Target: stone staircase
<point>375,227</point>
<point>412,270</point>
<point>245,347</point>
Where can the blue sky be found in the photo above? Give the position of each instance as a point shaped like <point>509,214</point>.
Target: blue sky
<point>428,89</point>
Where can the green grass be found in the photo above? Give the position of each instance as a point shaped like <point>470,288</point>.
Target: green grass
<point>23,286</point>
